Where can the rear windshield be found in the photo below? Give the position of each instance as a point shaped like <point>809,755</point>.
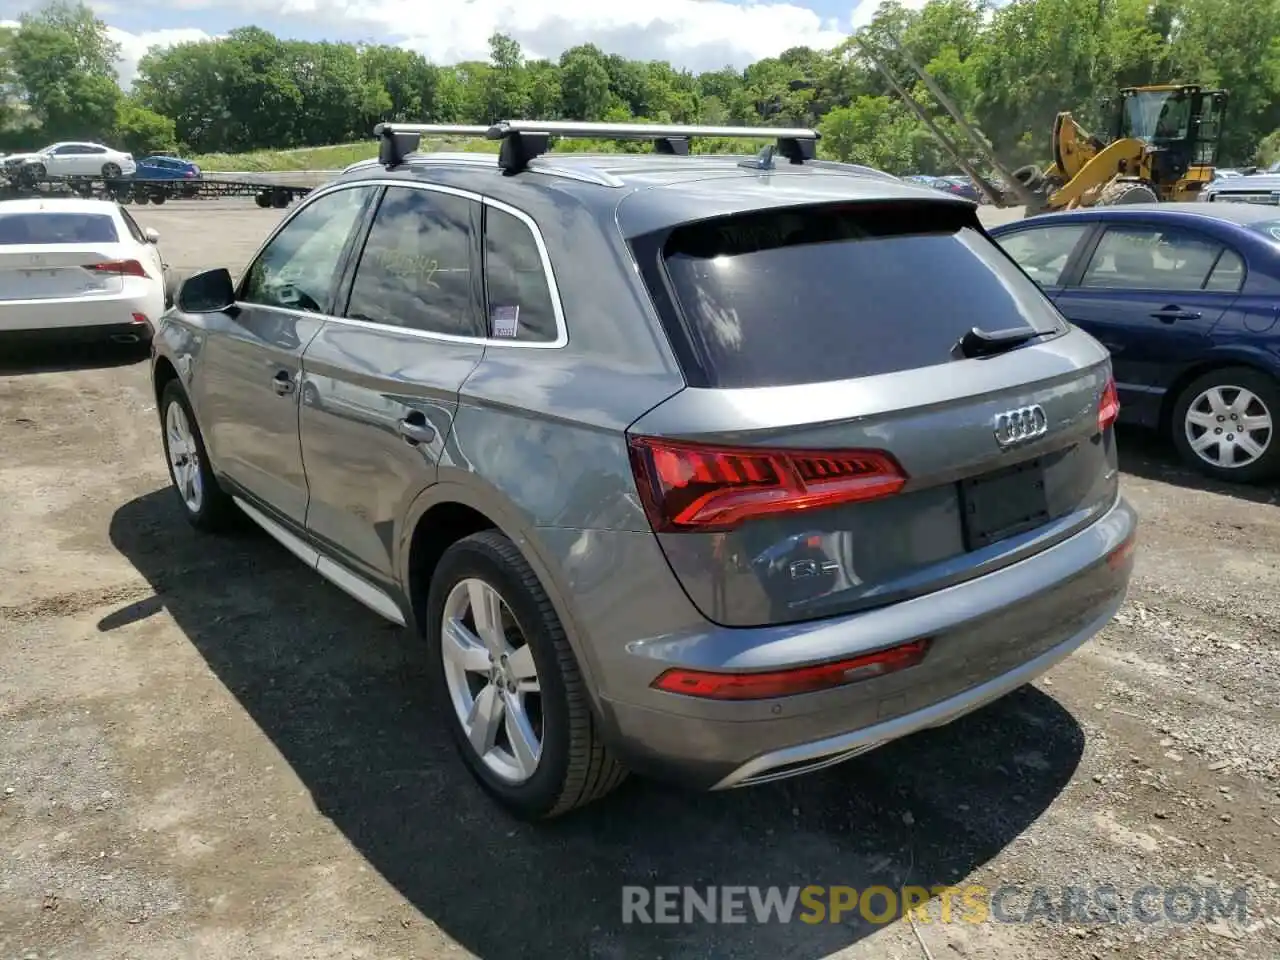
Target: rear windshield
<point>18,228</point>
<point>806,295</point>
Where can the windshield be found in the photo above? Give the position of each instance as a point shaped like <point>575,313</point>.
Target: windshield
<point>1158,115</point>
<point>1268,228</point>
<point>793,296</point>
<point>25,228</point>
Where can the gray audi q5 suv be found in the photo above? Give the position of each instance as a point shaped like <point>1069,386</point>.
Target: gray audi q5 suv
<point>720,469</point>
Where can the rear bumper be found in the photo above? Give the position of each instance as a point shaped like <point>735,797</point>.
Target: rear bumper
<point>988,637</point>
<point>93,318</point>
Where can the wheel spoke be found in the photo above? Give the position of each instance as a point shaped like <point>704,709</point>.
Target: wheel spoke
<point>463,648</point>
<point>1203,442</point>
<point>1242,401</point>
<point>486,612</point>
<point>1200,418</point>
<point>485,719</point>
<point>521,664</point>
<point>524,742</point>
<point>1260,421</point>
<point>1217,402</point>
<point>1250,446</point>
<point>1226,454</point>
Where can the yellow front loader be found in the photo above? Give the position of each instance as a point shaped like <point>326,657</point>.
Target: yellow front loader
<point>1164,147</point>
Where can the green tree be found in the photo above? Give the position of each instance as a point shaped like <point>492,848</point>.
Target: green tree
<point>143,132</point>
<point>64,62</point>
<point>584,83</point>
<point>505,94</point>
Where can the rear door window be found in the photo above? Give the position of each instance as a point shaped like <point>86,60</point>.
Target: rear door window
<point>41,228</point>
<point>1044,251</point>
<point>520,299</point>
<point>805,295</point>
<point>1151,258</point>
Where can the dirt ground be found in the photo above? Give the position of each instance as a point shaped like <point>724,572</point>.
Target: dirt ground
<point>206,751</point>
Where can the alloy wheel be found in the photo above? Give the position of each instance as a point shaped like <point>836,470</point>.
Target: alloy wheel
<point>184,457</point>
<point>492,680</point>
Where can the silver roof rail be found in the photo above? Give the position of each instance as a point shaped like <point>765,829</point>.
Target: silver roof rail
<point>522,140</point>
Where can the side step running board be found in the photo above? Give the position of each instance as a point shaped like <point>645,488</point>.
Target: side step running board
<point>357,587</point>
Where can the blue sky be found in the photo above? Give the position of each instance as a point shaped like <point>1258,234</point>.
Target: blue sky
<point>699,34</point>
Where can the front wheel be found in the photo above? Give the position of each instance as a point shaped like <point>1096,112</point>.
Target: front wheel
<point>1224,424</point>
<point>205,504</point>
<point>110,171</point>
<point>509,684</point>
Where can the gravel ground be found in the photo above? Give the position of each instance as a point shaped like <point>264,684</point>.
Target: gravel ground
<point>205,751</point>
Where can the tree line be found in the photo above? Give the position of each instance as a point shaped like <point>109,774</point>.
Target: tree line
<point>1009,69</point>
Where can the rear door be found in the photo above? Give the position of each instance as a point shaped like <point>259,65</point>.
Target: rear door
<point>842,444</point>
<point>380,386</point>
<point>1151,294</point>
<point>247,377</point>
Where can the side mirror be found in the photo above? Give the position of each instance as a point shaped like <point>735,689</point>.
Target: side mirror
<point>152,235</point>
<point>208,292</point>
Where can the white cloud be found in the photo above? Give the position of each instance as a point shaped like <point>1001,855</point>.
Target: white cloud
<point>134,46</point>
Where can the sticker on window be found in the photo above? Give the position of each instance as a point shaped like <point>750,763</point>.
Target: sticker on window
<point>504,320</point>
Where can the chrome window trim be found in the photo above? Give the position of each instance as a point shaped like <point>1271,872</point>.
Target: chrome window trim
<point>557,307</point>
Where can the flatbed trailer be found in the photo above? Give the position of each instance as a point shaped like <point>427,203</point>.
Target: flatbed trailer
<point>139,190</point>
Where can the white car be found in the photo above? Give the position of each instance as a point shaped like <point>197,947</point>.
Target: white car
<point>77,160</point>
<point>84,269</point>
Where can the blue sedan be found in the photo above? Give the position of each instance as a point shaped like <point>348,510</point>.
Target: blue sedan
<point>166,168</point>
<point>1186,296</point>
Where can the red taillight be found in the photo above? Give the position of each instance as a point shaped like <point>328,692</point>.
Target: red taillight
<point>126,268</point>
<point>1108,406</point>
<point>709,685</point>
<point>140,319</point>
<point>1121,554</point>
<point>686,486</point>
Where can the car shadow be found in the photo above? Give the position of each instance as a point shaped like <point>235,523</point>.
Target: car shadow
<point>1149,455</point>
<point>341,696</point>
<point>19,358</point>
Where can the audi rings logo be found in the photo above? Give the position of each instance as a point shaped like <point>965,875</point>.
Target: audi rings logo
<point>1014,427</point>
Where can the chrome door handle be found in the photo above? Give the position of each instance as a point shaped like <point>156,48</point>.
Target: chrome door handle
<point>282,383</point>
<point>415,429</point>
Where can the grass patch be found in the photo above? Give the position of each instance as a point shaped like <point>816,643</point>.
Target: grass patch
<point>344,154</point>
<point>319,158</point>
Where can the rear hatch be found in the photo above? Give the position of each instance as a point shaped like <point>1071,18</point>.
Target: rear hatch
<point>847,439</point>
<point>48,255</point>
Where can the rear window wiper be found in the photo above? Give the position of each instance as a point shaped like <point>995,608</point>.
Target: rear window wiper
<point>988,343</point>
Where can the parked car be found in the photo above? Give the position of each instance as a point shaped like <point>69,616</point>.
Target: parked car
<point>1186,296</point>
<point>72,160</point>
<point>961,186</point>
<point>78,269</point>
<point>167,168</point>
<point>594,425</point>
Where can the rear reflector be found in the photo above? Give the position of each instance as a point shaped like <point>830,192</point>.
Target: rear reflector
<point>1121,554</point>
<point>1108,406</point>
<point>127,268</point>
<point>708,685</point>
<point>141,319</point>
<point>692,487</point>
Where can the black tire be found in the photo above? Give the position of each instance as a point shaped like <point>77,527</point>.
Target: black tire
<point>575,767</point>
<point>217,512</point>
<point>37,171</point>
<point>1029,176</point>
<point>110,171</point>
<point>262,199</point>
<point>1118,194</point>
<point>280,199</point>
<point>1265,388</point>
<point>159,197</point>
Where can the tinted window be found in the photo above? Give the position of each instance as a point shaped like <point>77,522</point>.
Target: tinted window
<point>805,295</point>
<point>18,228</point>
<point>1151,258</point>
<point>1228,273</point>
<point>415,270</point>
<point>516,284</point>
<point>1044,251</point>
<point>296,270</point>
